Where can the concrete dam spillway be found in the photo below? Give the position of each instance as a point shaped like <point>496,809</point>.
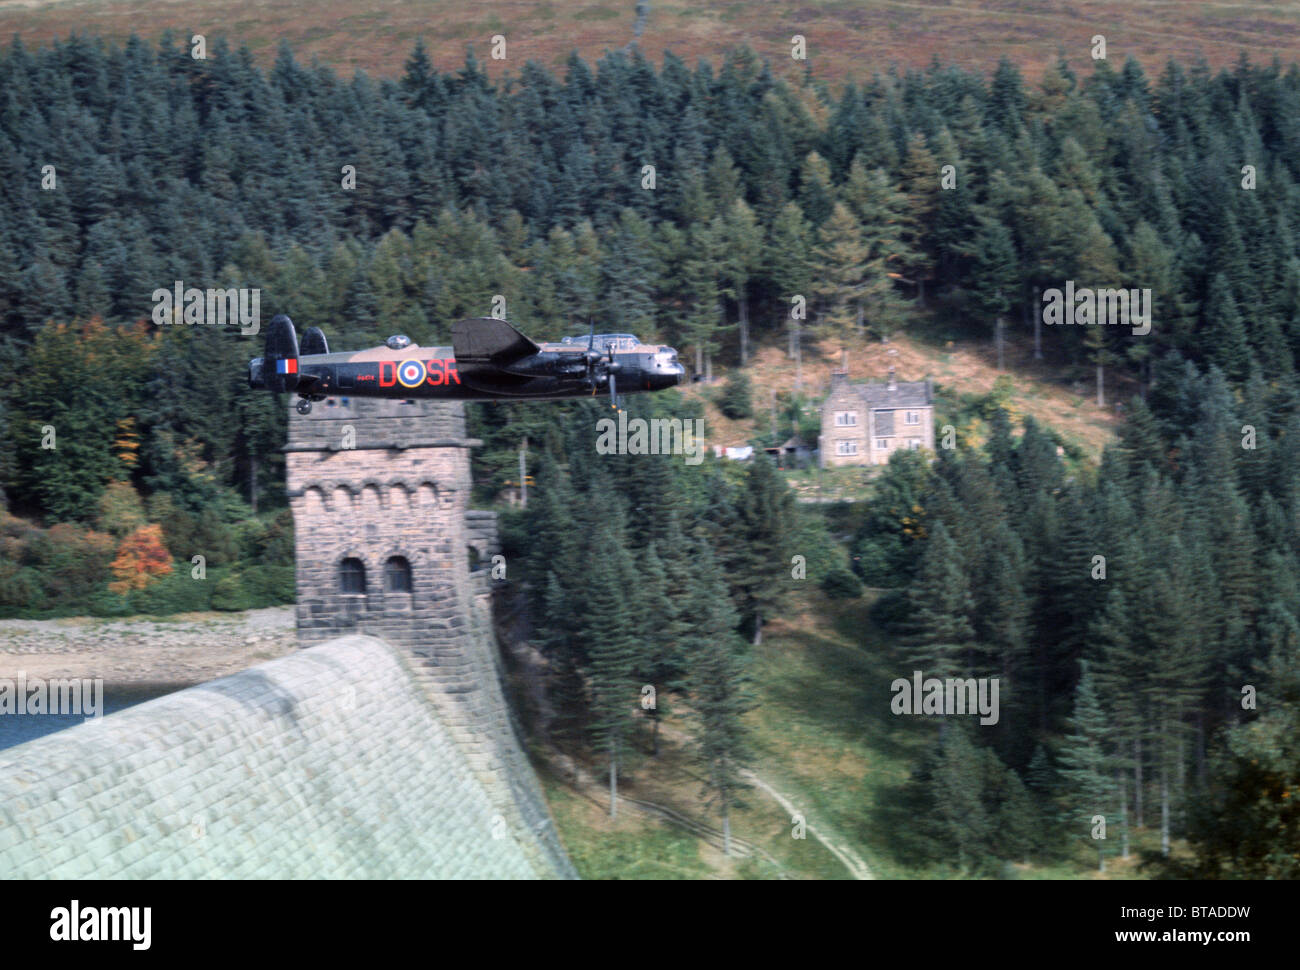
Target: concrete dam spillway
<point>384,748</point>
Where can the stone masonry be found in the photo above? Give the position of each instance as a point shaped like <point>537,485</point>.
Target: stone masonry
<point>372,481</point>
<point>329,763</point>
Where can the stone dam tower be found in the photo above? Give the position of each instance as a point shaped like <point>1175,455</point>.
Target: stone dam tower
<point>387,546</point>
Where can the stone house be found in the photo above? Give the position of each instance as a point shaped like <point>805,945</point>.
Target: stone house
<point>864,423</point>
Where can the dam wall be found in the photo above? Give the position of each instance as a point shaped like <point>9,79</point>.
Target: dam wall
<point>331,762</point>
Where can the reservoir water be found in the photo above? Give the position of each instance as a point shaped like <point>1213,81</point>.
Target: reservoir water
<point>17,728</point>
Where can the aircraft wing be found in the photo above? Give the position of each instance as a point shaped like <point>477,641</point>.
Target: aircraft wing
<point>487,340</point>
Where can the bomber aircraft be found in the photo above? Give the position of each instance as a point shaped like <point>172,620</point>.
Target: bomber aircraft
<point>488,360</point>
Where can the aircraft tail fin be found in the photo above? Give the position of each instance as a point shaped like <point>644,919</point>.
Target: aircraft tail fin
<point>489,340</point>
<point>313,342</point>
<point>280,363</point>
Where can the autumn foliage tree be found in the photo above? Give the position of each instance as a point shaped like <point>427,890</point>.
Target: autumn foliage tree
<point>141,558</point>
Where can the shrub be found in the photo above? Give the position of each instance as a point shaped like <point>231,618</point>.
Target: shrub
<point>841,584</point>
<point>215,539</point>
<point>812,539</point>
<point>270,585</point>
<point>891,611</point>
<point>178,592</point>
<point>254,588</point>
<point>107,603</point>
<point>179,527</point>
<point>73,563</point>
<point>278,550</point>
<point>228,593</point>
<point>250,540</point>
<point>20,590</point>
<point>736,400</point>
<point>875,566</point>
<point>120,510</point>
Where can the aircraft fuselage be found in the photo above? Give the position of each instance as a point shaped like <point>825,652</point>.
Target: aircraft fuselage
<point>558,372</point>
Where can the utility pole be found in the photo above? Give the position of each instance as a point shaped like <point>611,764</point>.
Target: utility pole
<point>798,359</point>
<point>1038,323</point>
<point>523,474</point>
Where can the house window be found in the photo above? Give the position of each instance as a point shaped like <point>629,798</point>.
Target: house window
<point>846,447</point>
<point>913,417</point>
<point>914,443</point>
<point>352,576</point>
<point>397,575</point>
<point>882,444</point>
<point>846,419</point>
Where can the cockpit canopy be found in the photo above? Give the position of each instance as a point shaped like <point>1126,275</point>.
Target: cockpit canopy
<point>604,341</point>
<point>398,341</point>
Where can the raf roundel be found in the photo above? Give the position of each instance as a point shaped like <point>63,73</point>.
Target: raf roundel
<point>411,373</point>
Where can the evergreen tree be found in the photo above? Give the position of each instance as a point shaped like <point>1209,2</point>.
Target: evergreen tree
<point>940,605</point>
<point>607,630</point>
<point>720,691</point>
<point>1087,788</point>
<point>1226,334</point>
<point>760,567</point>
<point>845,275</point>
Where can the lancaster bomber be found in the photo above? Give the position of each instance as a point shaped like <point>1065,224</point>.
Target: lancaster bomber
<point>488,360</point>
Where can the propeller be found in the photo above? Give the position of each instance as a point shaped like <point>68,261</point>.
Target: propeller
<point>611,368</point>
<point>607,371</point>
<point>591,356</point>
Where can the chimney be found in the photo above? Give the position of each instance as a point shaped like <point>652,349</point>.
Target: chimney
<point>841,376</point>
<point>893,384</point>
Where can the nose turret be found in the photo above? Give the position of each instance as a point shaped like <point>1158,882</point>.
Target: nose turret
<point>665,370</point>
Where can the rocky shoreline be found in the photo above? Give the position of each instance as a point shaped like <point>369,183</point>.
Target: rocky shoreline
<point>181,650</point>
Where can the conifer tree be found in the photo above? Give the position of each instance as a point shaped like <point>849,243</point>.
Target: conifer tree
<point>741,241</point>
<point>1087,789</point>
<point>607,629</point>
<point>940,605</point>
<point>760,568</point>
<point>661,633</point>
<point>721,692</point>
<point>960,819</point>
<point>1225,332</point>
<point>786,258</point>
<point>816,193</point>
<point>845,275</point>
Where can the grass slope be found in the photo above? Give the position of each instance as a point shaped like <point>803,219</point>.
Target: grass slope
<point>960,370</point>
<point>824,736</point>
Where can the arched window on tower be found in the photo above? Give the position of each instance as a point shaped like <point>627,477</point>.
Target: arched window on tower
<point>397,575</point>
<point>352,576</point>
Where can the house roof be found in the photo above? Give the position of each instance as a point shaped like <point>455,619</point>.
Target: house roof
<point>877,394</point>
<point>906,394</point>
